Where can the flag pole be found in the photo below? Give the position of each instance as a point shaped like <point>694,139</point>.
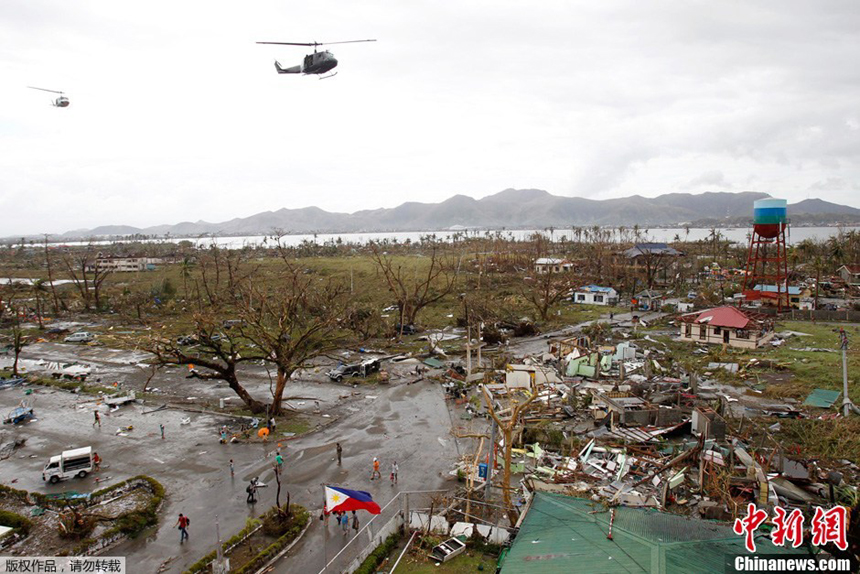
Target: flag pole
<point>325,528</point>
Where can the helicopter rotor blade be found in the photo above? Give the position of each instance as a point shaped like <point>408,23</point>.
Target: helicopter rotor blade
<point>346,42</point>
<point>45,90</point>
<point>315,44</point>
<point>292,43</point>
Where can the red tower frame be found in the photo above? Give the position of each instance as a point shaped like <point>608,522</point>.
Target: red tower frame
<point>767,264</point>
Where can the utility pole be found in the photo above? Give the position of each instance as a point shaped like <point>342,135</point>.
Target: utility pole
<point>222,565</point>
<point>846,400</point>
<point>468,350</point>
<point>491,461</point>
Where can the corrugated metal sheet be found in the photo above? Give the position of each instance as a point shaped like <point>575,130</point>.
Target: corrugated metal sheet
<point>560,534</point>
<point>822,398</point>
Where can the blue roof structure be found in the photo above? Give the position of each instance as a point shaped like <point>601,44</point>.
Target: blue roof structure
<point>792,289</point>
<point>651,249</point>
<point>595,289</point>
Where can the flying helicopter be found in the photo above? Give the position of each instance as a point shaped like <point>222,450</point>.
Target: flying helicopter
<point>61,102</point>
<point>316,63</point>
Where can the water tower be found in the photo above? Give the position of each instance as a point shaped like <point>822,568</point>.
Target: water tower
<point>767,262</point>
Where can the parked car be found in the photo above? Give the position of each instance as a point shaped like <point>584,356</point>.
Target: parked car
<point>76,462</point>
<point>361,369</point>
<point>407,329</point>
<point>186,340</point>
<point>80,337</point>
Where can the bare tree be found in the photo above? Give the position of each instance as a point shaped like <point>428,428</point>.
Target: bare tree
<point>545,290</point>
<point>292,320</point>
<point>508,420</point>
<point>19,340</point>
<point>87,275</point>
<point>414,290</point>
<point>49,267</point>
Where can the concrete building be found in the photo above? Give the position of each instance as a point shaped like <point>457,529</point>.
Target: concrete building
<point>113,263</point>
<point>726,325</point>
<point>595,295</point>
<point>552,265</point>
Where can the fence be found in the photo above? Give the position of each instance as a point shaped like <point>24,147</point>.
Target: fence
<point>391,519</point>
<point>848,315</point>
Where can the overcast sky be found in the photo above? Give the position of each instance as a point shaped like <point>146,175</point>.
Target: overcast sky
<point>177,115</point>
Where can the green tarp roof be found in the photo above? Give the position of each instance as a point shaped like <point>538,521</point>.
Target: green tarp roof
<point>560,534</point>
<point>822,398</point>
<point>435,363</point>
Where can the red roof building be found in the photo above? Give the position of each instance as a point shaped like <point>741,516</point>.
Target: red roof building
<point>726,326</point>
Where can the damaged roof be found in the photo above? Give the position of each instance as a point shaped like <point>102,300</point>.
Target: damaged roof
<point>729,317</point>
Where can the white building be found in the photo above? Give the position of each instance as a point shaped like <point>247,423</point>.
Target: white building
<point>595,295</point>
<point>552,265</point>
<point>112,263</point>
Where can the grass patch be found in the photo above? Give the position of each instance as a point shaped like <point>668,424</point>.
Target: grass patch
<point>814,369</point>
<point>467,562</point>
<point>831,439</point>
<point>379,554</point>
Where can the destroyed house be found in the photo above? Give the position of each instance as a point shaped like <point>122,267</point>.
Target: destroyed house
<point>850,274</point>
<point>565,534</point>
<point>628,410</point>
<point>657,261</point>
<point>726,325</point>
<point>595,295</point>
<point>791,296</point>
<point>649,300</point>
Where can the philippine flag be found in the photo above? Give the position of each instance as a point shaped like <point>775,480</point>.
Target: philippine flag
<point>344,500</point>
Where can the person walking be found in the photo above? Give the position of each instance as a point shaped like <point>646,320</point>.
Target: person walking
<point>97,462</point>
<point>183,524</point>
<point>232,470</point>
<point>279,460</point>
<point>339,454</point>
<point>344,522</point>
<point>394,469</point>
<point>375,473</point>
<point>98,419</point>
<point>252,491</point>
<point>161,428</point>
<point>355,521</point>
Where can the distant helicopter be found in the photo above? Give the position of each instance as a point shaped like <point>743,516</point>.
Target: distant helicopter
<point>61,102</point>
<point>316,63</point>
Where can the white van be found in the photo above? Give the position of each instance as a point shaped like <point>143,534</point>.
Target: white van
<point>79,337</point>
<point>76,462</point>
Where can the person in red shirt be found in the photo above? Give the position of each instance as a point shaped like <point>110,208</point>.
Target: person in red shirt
<point>182,524</point>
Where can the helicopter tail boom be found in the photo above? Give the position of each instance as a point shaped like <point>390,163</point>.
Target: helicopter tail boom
<point>291,70</point>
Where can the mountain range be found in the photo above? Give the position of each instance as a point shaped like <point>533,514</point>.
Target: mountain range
<point>511,209</point>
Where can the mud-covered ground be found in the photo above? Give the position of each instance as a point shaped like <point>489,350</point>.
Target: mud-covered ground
<point>406,421</point>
